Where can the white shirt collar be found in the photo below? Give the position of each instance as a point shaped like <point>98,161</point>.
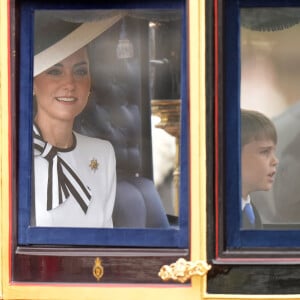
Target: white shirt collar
<point>245,201</point>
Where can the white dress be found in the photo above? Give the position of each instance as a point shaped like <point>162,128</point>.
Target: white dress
<point>93,160</point>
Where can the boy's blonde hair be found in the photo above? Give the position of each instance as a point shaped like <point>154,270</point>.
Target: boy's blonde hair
<point>256,126</point>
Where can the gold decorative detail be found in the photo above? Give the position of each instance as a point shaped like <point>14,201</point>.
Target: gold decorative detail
<point>98,269</point>
<point>94,164</point>
<point>169,112</point>
<point>183,270</point>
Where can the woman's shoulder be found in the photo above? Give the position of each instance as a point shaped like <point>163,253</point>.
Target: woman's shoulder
<point>86,141</point>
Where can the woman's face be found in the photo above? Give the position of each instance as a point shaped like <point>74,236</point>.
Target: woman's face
<point>62,91</point>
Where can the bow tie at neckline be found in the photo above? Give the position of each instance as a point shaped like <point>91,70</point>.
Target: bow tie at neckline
<point>62,179</point>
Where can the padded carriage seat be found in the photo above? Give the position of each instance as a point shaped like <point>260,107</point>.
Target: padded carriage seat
<point>138,203</point>
<point>119,111</point>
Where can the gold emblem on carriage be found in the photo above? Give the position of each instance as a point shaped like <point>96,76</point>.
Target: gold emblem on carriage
<point>94,164</point>
<point>98,269</point>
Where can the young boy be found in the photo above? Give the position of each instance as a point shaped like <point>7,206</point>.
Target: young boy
<point>258,160</point>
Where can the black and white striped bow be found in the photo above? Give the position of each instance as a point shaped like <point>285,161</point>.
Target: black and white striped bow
<point>62,180</point>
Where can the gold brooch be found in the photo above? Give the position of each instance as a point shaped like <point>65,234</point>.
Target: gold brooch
<point>94,164</point>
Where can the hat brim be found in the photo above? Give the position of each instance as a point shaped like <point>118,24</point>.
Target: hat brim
<point>68,45</point>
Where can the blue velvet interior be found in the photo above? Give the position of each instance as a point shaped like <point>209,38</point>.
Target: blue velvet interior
<point>235,237</point>
<point>79,236</point>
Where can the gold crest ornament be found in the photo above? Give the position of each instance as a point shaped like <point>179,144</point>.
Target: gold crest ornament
<point>94,164</point>
<point>98,270</point>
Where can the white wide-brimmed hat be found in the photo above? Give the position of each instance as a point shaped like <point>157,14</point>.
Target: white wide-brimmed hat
<point>55,38</point>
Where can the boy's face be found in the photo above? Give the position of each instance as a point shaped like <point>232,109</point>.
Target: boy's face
<point>258,166</point>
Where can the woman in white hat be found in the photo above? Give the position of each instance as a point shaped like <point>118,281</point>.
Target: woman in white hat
<point>74,175</point>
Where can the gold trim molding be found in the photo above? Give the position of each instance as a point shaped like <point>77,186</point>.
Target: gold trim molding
<point>183,270</point>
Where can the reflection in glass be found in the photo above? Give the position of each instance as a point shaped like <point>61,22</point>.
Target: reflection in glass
<point>270,76</point>
<point>166,116</point>
<point>130,64</point>
<point>165,60</point>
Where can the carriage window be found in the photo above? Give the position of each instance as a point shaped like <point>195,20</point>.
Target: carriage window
<point>104,127</point>
<point>269,85</point>
<point>258,111</point>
